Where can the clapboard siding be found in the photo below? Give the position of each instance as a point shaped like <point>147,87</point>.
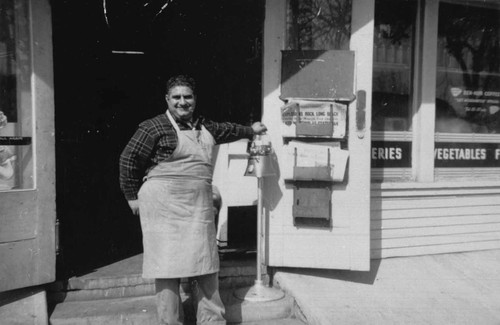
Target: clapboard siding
<point>435,249</point>
<point>411,212</point>
<point>434,240</point>
<point>432,202</point>
<point>431,191</point>
<point>384,234</point>
<point>434,221</point>
<point>412,223</point>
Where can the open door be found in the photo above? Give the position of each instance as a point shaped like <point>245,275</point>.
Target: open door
<point>344,241</point>
<point>27,164</point>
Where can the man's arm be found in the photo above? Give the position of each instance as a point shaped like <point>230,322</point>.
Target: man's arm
<point>229,132</point>
<point>134,161</point>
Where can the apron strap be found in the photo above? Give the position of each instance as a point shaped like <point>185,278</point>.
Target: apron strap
<point>174,123</point>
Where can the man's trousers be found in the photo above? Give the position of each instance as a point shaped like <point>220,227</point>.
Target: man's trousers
<point>205,295</point>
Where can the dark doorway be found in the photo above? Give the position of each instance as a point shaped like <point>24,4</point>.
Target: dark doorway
<point>109,76</point>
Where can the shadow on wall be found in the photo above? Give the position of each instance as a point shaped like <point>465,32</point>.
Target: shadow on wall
<point>343,275</point>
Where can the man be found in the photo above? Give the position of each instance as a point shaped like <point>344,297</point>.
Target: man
<point>173,153</point>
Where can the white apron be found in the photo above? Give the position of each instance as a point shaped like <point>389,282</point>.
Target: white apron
<point>176,213</point>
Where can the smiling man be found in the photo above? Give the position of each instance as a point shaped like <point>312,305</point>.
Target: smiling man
<point>181,103</point>
<point>172,153</point>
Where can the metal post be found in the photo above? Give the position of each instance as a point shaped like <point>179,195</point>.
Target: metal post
<point>259,231</point>
<point>259,291</point>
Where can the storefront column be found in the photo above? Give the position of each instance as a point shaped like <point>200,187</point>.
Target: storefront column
<point>423,142</point>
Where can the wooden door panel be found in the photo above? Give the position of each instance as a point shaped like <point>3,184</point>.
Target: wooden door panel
<point>344,243</point>
<point>28,212</point>
<point>18,264</point>
<point>18,216</point>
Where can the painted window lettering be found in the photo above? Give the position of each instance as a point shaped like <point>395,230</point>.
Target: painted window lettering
<point>388,153</point>
<point>460,154</point>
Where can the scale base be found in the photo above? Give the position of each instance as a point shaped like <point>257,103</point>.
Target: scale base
<point>258,292</point>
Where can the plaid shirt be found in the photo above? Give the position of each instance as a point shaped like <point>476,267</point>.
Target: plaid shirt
<point>156,139</point>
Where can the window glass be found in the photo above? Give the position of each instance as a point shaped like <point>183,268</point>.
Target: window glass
<point>468,89</point>
<point>318,24</point>
<point>16,156</point>
<point>468,69</point>
<point>392,66</point>
<point>392,92</point>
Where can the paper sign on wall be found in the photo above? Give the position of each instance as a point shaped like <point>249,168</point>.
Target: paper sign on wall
<point>313,113</point>
<point>302,154</point>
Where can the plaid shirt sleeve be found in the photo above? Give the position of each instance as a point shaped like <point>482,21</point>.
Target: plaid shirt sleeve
<point>228,132</point>
<point>134,161</point>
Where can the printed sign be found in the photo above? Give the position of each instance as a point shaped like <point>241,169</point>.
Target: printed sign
<point>15,141</point>
<point>314,113</point>
<point>476,100</point>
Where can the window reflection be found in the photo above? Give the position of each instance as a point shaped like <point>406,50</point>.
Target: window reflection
<point>318,24</point>
<point>7,61</point>
<point>468,73</point>
<point>392,68</point>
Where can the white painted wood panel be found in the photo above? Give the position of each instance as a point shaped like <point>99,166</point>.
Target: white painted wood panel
<point>30,260</point>
<point>18,264</point>
<point>18,216</point>
<point>434,231</point>
<point>406,223</point>
<point>434,221</point>
<point>434,190</point>
<point>434,212</point>
<point>346,244</point>
<point>434,240</point>
<point>435,249</point>
<point>431,202</point>
<point>297,251</point>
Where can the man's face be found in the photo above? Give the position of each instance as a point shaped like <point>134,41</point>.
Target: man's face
<point>181,102</point>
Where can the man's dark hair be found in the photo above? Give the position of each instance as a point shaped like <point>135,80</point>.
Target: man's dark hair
<point>181,80</point>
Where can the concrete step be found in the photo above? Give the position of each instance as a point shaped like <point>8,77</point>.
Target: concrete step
<point>142,311</point>
<point>123,279</point>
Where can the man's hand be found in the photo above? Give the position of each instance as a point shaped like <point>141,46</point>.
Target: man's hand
<point>259,128</point>
<point>134,206</point>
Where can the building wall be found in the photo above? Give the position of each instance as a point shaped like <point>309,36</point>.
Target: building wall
<point>434,218</point>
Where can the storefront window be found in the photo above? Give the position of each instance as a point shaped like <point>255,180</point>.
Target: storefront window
<point>318,24</point>
<point>393,48</point>
<point>16,153</point>
<point>468,69</point>
<point>392,68</point>
<point>468,86</point>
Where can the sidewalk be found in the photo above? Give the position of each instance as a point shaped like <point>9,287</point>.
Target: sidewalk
<point>460,288</point>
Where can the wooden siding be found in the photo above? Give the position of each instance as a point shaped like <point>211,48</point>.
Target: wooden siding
<point>434,221</point>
